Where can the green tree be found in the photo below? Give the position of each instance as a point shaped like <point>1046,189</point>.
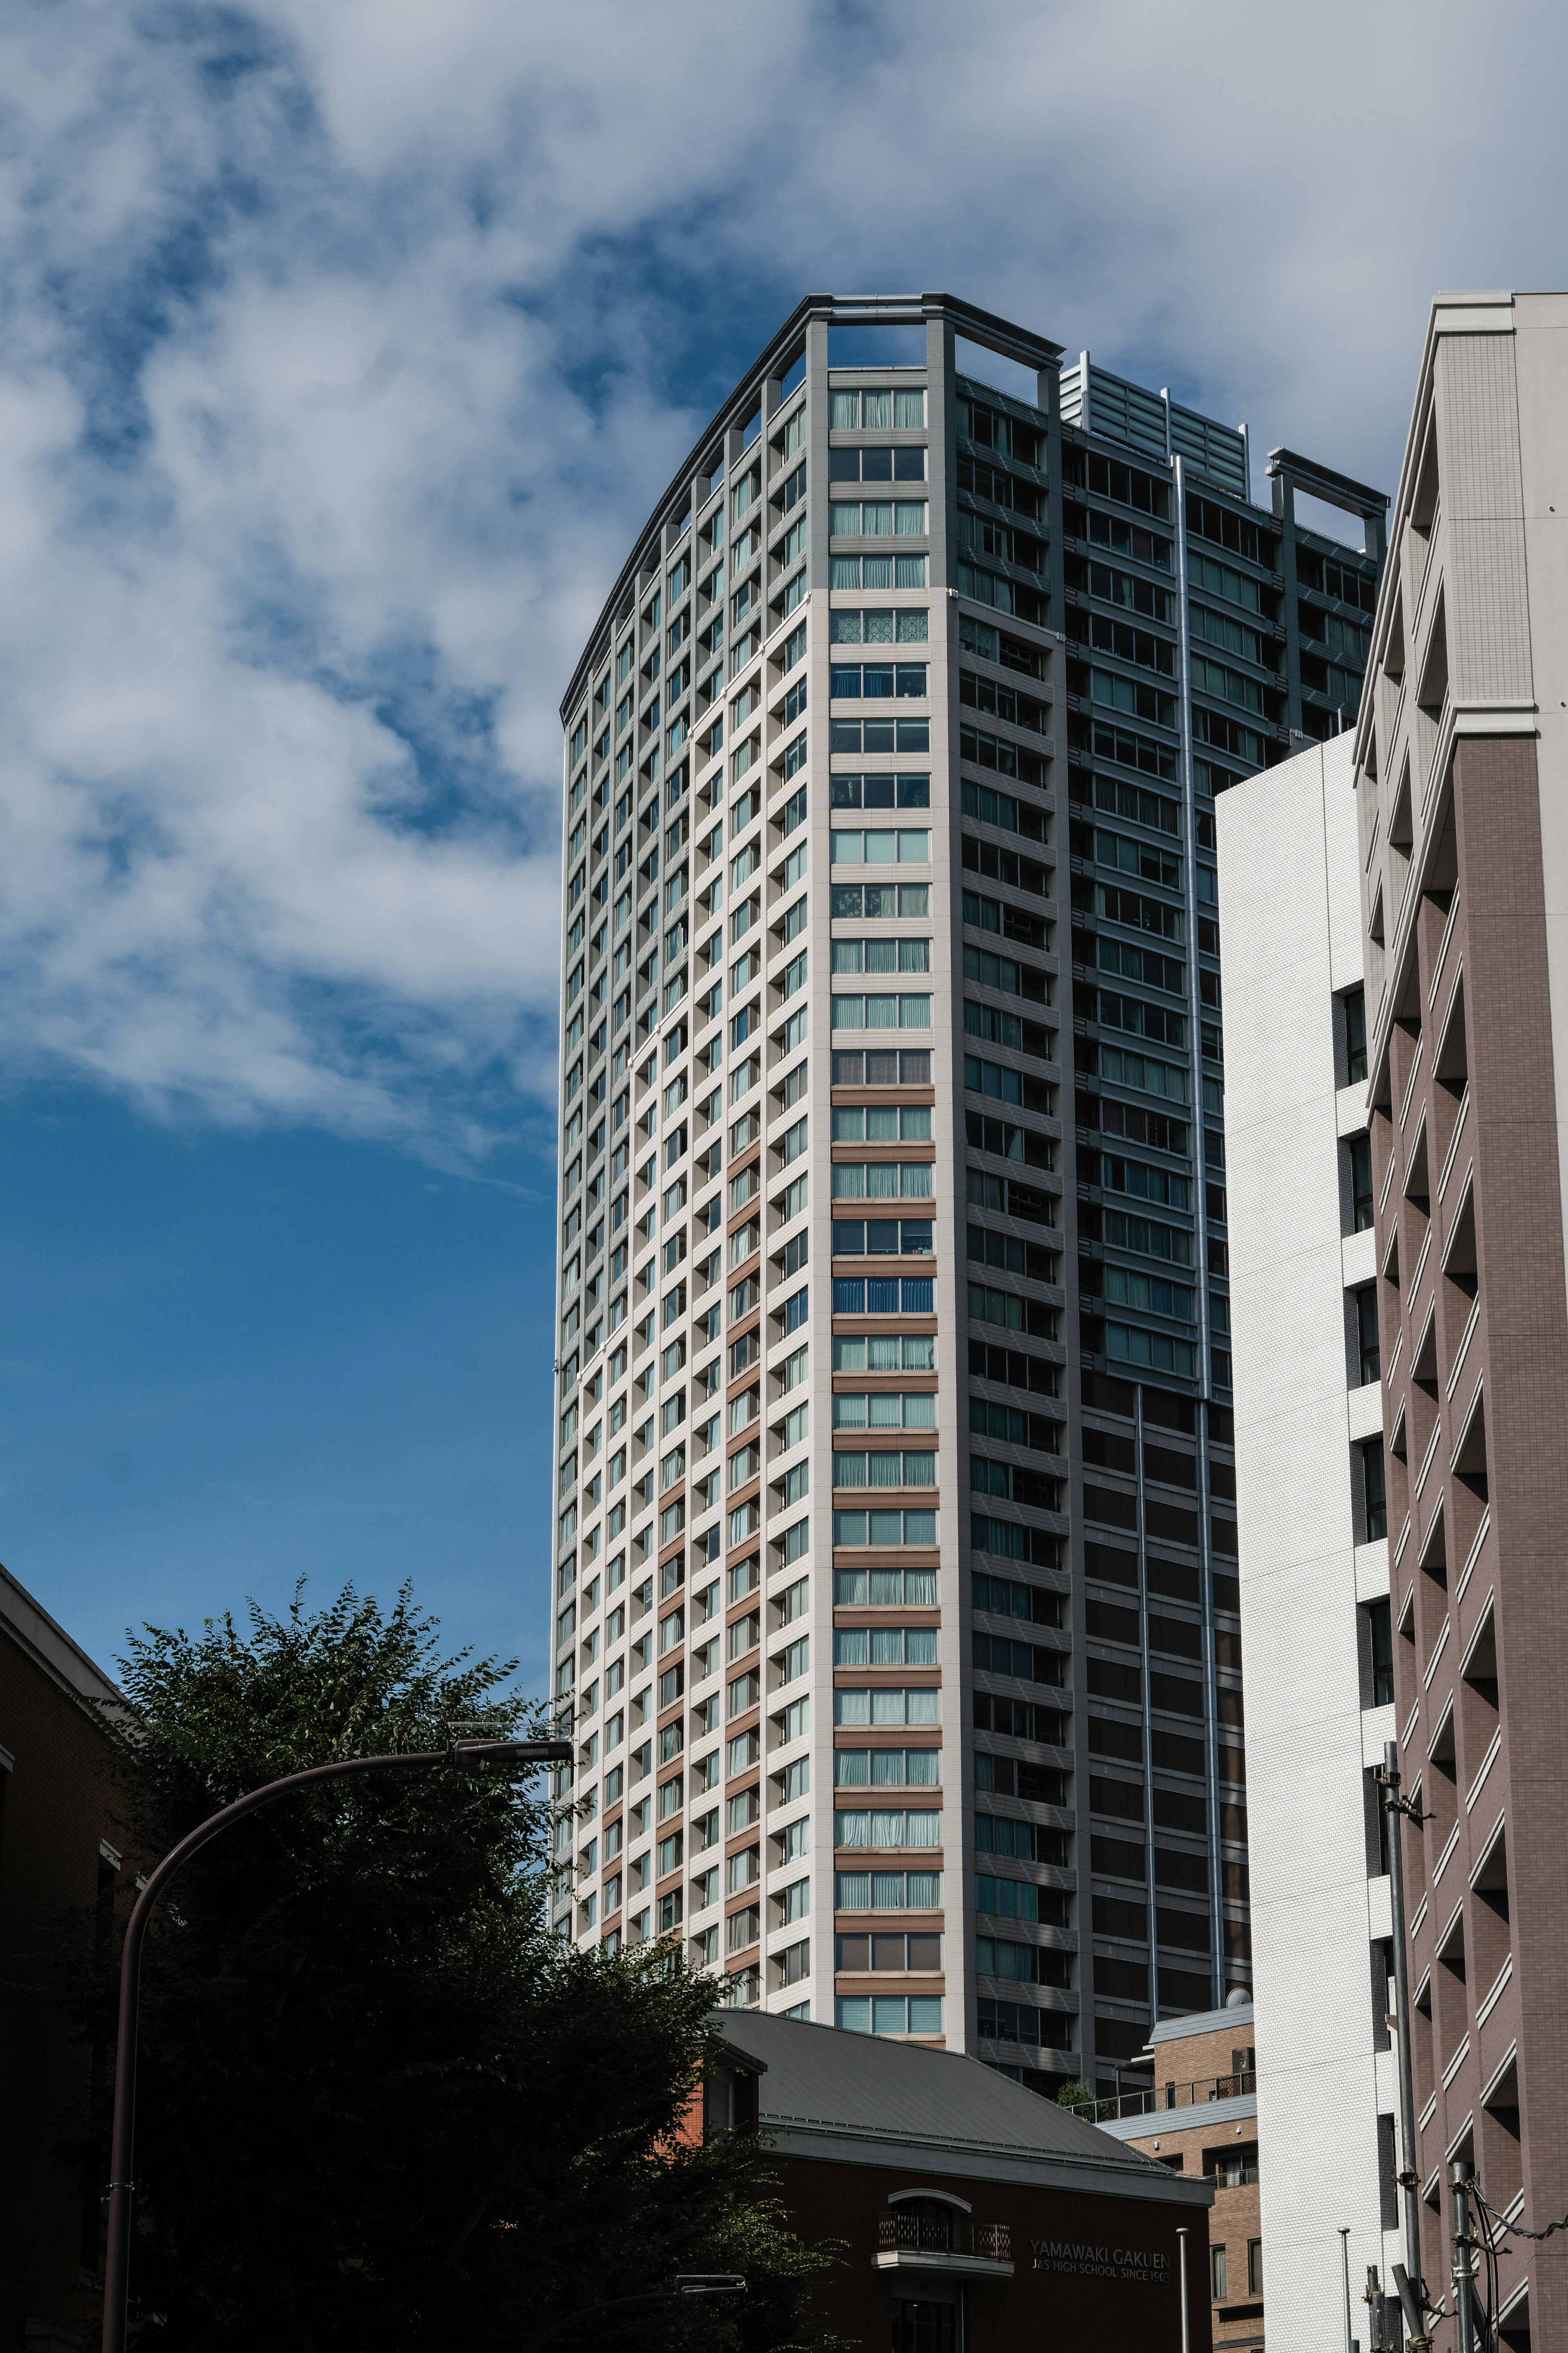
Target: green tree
<point>379,2105</point>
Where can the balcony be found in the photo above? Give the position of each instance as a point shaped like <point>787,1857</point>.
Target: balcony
<point>941,2243</point>
<point>1168,2096</point>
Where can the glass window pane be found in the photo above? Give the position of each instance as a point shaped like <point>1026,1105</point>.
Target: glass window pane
<point>844,573</point>
<point>877,416</point>
<point>882,1356</point>
<point>920,1352</point>
<point>887,1528</point>
<point>847,412</point>
<point>919,1413</point>
<point>843,629</point>
<point>877,573</point>
<point>846,901</point>
<point>920,1528</point>
<point>911,570</point>
<point>909,410</point>
<point>849,1413</point>
<point>879,627</point>
<point>850,1356</point>
<point>913,628</point>
<point>925,2014</point>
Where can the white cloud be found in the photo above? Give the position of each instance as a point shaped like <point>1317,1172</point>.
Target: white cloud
<point>347,347</point>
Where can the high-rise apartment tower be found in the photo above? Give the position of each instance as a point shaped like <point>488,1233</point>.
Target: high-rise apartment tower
<point>895,1576</point>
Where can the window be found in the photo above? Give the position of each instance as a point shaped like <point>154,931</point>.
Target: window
<point>880,626</point>
<point>908,1352</point>
<point>878,735</point>
<point>879,792</point>
<point>876,518</point>
<point>1379,1632</point>
<point>875,681</point>
<point>881,1828</point>
<point>889,2015</point>
<point>1376,1497</point>
<point>881,1012</point>
<point>877,572</point>
<point>908,846</point>
<point>872,465</point>
<point>886,1891</point>
<point>1217,2274</point>
<point>1219,629</point>
<point>879,1180</point>
<point>1366,1333</point>
<point>1362,1207</point>
<point>885,1410</point>
<point>1109,688</point>
<point>880,411</point>
<point>885,1588</point>
<point>887,1768</point>
<point>1231,2169</point>
<point>885,1646</point>
<point>884,1469</point>
<point>1134,596</point>
<point>861,1530</point>
<point>1355,1033</point>
<point>1255,2267</point>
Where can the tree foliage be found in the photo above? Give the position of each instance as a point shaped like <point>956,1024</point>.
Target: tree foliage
<point>378,2104</point>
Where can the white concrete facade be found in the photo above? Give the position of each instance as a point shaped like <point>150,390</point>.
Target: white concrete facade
<point>1291,943</point>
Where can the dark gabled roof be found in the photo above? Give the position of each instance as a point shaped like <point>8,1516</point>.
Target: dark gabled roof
<point>863,2087</point>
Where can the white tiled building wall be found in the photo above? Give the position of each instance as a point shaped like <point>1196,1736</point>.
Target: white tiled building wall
<point>1291,928</point>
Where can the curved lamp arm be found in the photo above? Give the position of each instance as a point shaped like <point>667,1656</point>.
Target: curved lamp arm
<point>471,1753</point>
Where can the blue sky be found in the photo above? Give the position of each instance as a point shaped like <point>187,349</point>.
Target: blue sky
<point>345,348</point>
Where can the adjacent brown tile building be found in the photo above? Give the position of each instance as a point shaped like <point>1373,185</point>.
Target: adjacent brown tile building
<point>57,1829</point>
<point>1200,2121</point>
<point>1462,783</point>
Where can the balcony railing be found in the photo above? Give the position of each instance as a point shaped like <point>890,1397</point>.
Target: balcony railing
<point>1168,2096</point>
<point>932,2235</point>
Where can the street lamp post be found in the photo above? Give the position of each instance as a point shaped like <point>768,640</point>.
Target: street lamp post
<point>471,1753</point>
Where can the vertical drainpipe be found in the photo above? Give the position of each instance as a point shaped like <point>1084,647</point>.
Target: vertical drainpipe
<point>1148,1889</point>
<point>1194,1015</point>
